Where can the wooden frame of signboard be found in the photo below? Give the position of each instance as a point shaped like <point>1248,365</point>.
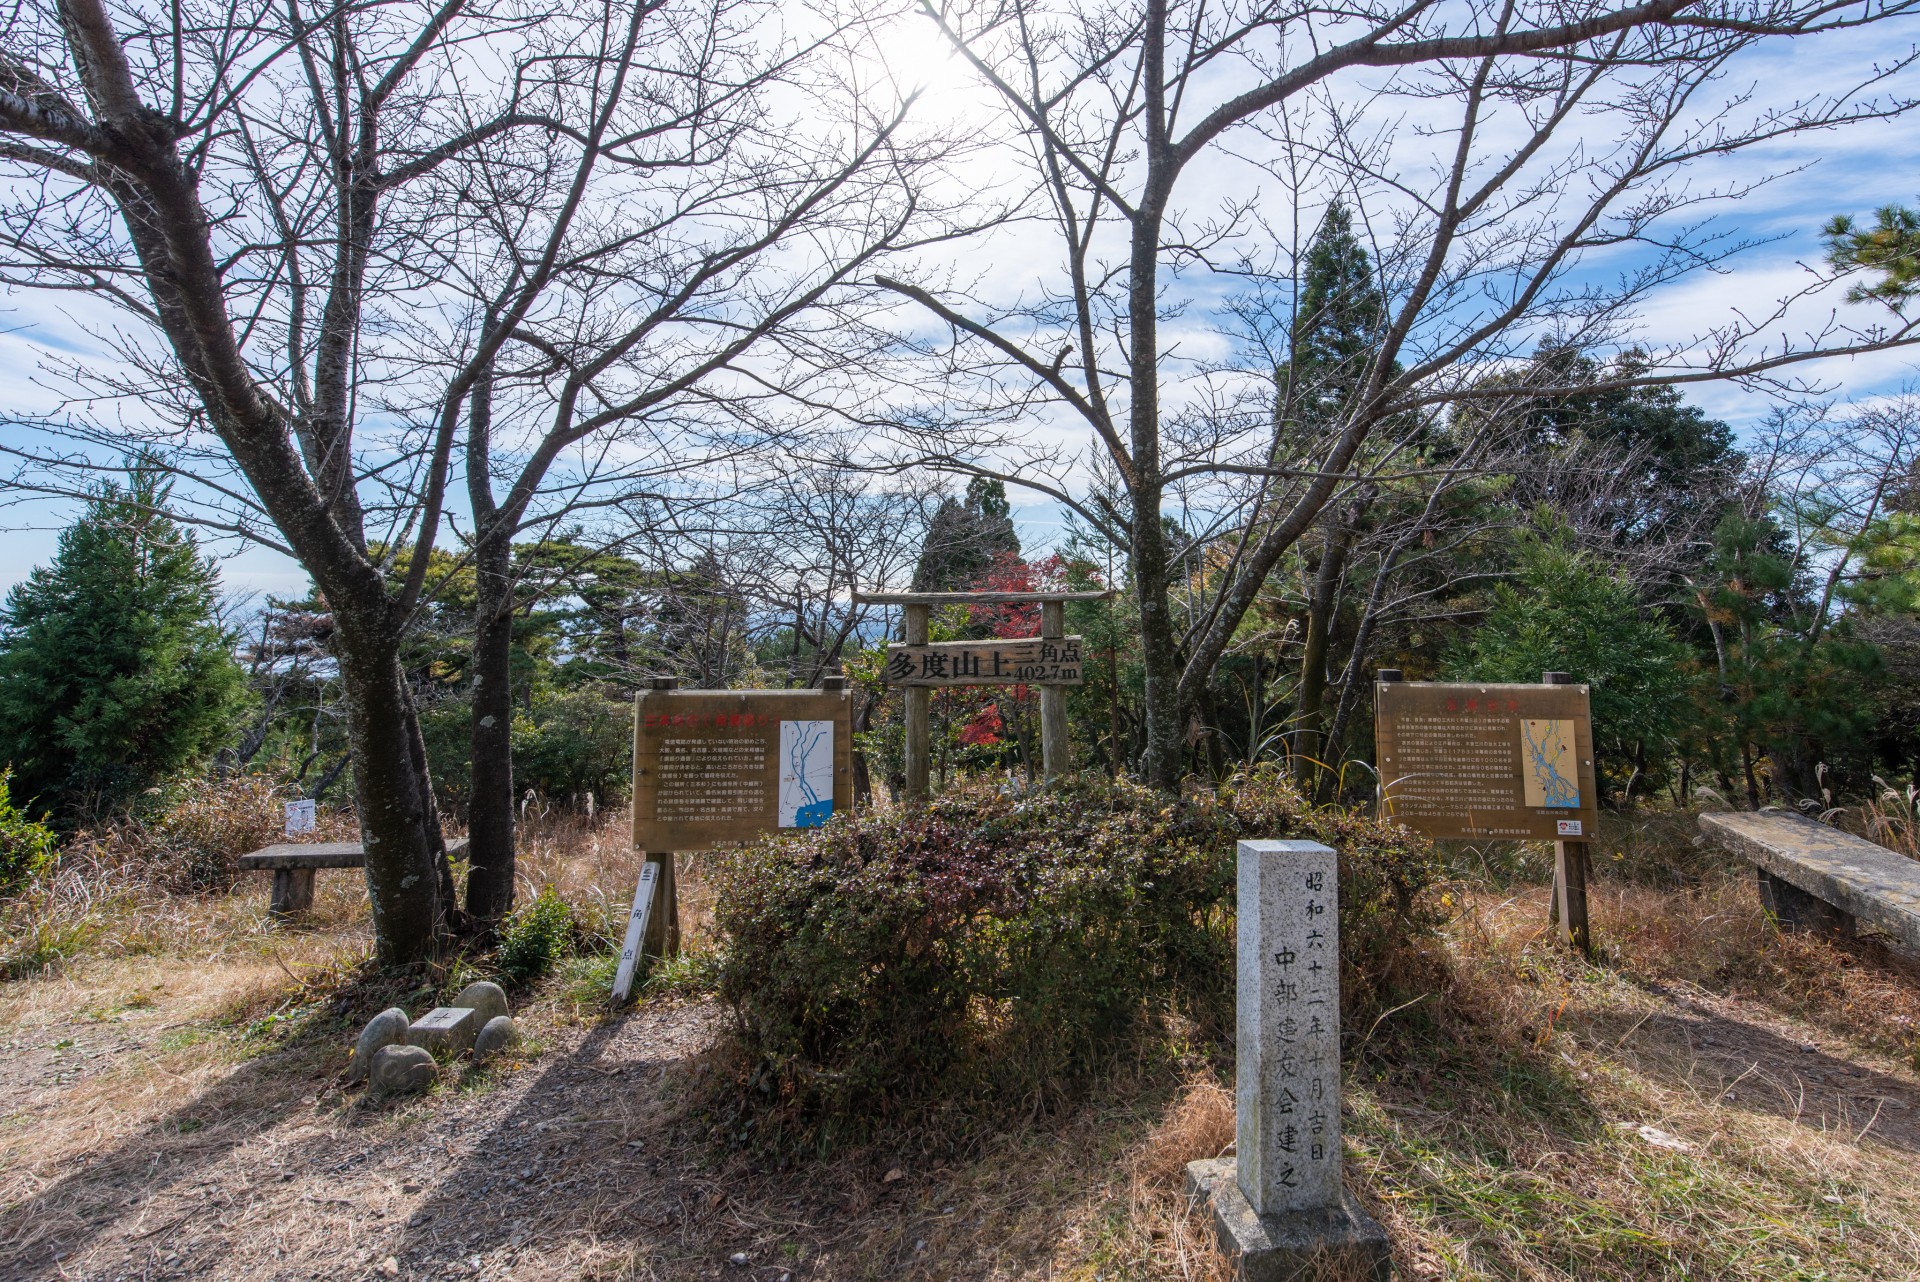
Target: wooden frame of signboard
<point>707,773</point>
<point>1043,670</point>
<point>1453,764</point>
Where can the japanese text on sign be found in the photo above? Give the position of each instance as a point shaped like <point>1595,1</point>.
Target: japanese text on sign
<point>713,767</point>
<point>1512,761</point>
<point>1034,661</point>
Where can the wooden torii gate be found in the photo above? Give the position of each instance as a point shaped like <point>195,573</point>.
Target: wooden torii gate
<point>1050,661</point>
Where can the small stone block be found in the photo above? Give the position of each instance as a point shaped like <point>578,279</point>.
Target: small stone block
<point>1324,1244</point>
<point>445,1030</point>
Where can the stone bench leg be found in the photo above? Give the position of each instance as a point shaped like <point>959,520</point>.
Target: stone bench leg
<point>292,893</point>
<point>1795,909</point>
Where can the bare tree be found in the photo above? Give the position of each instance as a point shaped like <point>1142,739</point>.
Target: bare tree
<point>772,564</point>
<point>1486,150</point>
<point>366,243</point>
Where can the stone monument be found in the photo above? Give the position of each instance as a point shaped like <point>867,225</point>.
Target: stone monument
<point>1279,1207</point>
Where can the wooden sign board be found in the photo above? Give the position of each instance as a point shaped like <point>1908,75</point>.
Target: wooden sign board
<point>1039,661</point>
<point>1467,761</point>
<point>711,767</point>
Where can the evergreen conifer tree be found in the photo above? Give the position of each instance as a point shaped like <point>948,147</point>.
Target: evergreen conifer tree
<point>1336,331</point>
<point>1890,247</point>
<point>965,539</point>
<point>113,671</point>
<point>1336,326</point>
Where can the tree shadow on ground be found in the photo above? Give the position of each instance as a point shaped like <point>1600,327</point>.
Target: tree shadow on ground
<point>141,1186</point>
<point>1724,1059</point>
<point>594,1151</point>
<point>266,1144</point>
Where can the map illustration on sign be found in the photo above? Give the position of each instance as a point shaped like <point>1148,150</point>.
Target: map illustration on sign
<point>1549,770</point>
<point>806,773</point>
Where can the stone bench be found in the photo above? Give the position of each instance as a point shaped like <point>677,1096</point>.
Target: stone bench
<point>1813,877</point>
<point>293,865</point>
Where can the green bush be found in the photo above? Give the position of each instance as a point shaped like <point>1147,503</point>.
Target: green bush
<point>1006,946</point>
<point>533,938</point>
<point>572,744</point>
<point>26,845</point>
<point>567,745</point>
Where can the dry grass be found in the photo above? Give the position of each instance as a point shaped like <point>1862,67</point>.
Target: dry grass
<point>1707,1099</point>
<point>1198,1125</point>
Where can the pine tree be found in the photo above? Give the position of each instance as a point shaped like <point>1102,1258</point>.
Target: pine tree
<point>113,671</point>
<point>1336,331</point>
<point>965,540</point>
<point>1336,326</point>
<point>1891,247</point>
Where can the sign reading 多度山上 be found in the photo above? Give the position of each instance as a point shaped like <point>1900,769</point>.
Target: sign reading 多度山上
<point>1028,661</point>
<point>1459,760</point>
<point>713,766</point>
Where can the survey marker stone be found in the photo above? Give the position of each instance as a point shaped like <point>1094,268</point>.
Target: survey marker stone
<point>1279,1208</point>
<point>445,1030</point>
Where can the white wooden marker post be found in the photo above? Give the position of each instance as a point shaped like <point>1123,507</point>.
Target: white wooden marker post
<point>636,931</point>
<point>1279,1206</point>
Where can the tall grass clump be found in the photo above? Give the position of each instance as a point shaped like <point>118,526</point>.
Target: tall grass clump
<point>196,829</point>
<point>1005,948</point>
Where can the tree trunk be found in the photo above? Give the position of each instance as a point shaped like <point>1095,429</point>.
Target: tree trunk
<point>490,818</point>
<point>1161,760</point>
<point>1309,710</point>
<point>398,823</point>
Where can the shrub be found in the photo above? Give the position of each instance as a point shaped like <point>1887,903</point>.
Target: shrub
<point>201,826</point>
<point>574,743</point>
<point>534,937</point>
<point>1005,946</point>
<point>26,845</point>
<point>567,745</point>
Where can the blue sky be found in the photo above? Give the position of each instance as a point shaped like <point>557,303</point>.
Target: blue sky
<point>1852,171</point>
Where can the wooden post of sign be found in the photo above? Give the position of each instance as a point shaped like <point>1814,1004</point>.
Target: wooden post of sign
<point>1056,750</point>
<point>663,923</point>
<point>663,927</point>
<point>919,706</point>
<point>1569,871</point>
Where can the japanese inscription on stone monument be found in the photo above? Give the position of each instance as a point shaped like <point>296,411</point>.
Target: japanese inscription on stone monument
<point>1289,1026</point>
<point>711,767</point>
<point>1279,1208</point>
<point>1460,760</point>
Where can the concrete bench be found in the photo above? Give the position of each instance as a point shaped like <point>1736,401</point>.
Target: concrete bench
<point>293,865</point>
<point>1813,877</point>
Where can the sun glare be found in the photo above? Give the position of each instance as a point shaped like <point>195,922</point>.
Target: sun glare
<point>916,58</point>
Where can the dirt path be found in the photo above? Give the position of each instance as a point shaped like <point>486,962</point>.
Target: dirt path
<point>151,1127</point>
<point>584,1161</point>
<point>526,1175</point>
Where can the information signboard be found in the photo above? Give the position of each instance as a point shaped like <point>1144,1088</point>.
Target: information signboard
<point>712,767</point>
<point>1475,761</point>
<point>1025,661</point>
